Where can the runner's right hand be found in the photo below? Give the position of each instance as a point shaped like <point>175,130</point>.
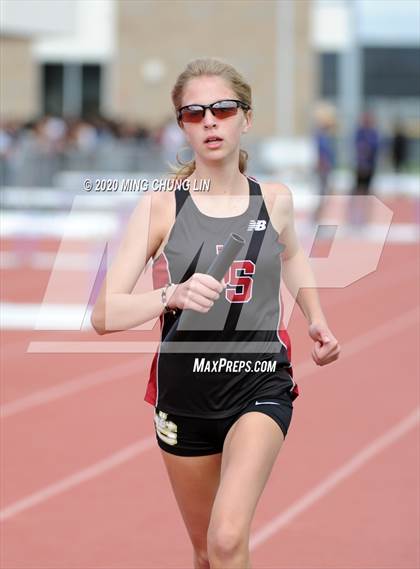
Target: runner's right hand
<point>197,293</point>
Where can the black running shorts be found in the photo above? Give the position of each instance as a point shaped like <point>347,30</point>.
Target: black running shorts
<point>191,436</point>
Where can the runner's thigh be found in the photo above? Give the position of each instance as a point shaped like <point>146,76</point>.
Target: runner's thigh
<point>194,481</point>
<point>250,449</point>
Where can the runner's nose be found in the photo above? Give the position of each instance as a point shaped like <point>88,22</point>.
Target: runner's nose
<point>208,119</point>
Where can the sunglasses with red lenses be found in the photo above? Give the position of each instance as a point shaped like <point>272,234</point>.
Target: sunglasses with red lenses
<point>220,109</point>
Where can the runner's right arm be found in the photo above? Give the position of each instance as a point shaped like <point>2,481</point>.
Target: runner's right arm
<point>117,308</point>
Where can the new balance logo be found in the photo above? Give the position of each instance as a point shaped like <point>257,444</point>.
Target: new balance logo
<point>266,403</point>
<point>257,225</point>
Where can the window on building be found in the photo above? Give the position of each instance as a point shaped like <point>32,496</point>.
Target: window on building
<point>328,75</point>
<point>391,71</point>
<point>91,89</point>
<point>71,89</point>
<point>52,84</point>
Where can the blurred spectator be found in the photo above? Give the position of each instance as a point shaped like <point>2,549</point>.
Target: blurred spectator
<point>7,148</point>
<point>32,153</point>
<point>324,139</point>
<point>38,154</point>
<point>172,139</point>
<point>399,147</point>
<point>55,130</point>
<point>367,148</point>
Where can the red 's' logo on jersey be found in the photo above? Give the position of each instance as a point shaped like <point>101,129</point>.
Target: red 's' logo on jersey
<point>239,279</point>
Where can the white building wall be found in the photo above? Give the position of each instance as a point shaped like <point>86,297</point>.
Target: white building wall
<point>379,23</point>
<point>30,18</point>
<point>92,40</point>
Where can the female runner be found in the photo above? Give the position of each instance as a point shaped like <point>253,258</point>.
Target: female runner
<point>222,389</point>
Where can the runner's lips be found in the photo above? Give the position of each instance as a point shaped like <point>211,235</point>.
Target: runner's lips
<point>213,138</point>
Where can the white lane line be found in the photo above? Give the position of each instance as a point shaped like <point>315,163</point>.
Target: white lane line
<point>95,347</point>
<point>123,455</point>
<point>375,447</point>
<point>44,316</point>
<point>83,382</point>
<point>43,260</point>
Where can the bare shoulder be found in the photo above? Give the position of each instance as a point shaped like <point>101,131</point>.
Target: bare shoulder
<point>162,217</point>
<point>159,205</point>
<point>279,201</point>
<point>151,219</point>
<point>272,191</point>
<point>162,203</point>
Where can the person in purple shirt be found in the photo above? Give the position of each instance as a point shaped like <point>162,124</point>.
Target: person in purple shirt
<point>367,146</point>
<point>325,160</point>
<point>366,142</point>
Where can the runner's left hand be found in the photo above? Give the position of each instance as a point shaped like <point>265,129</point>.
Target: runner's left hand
<point>326,348</point>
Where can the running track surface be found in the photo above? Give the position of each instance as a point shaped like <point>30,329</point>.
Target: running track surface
<point>83,483</point>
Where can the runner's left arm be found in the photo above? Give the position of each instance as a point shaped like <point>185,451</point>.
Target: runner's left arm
<point>300,281</point>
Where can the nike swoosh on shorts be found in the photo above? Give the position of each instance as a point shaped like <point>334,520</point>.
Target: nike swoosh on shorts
<point>266,403</point>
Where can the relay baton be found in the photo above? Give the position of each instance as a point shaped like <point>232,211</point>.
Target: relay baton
<point>225,258</point>
<point>218,268</point>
